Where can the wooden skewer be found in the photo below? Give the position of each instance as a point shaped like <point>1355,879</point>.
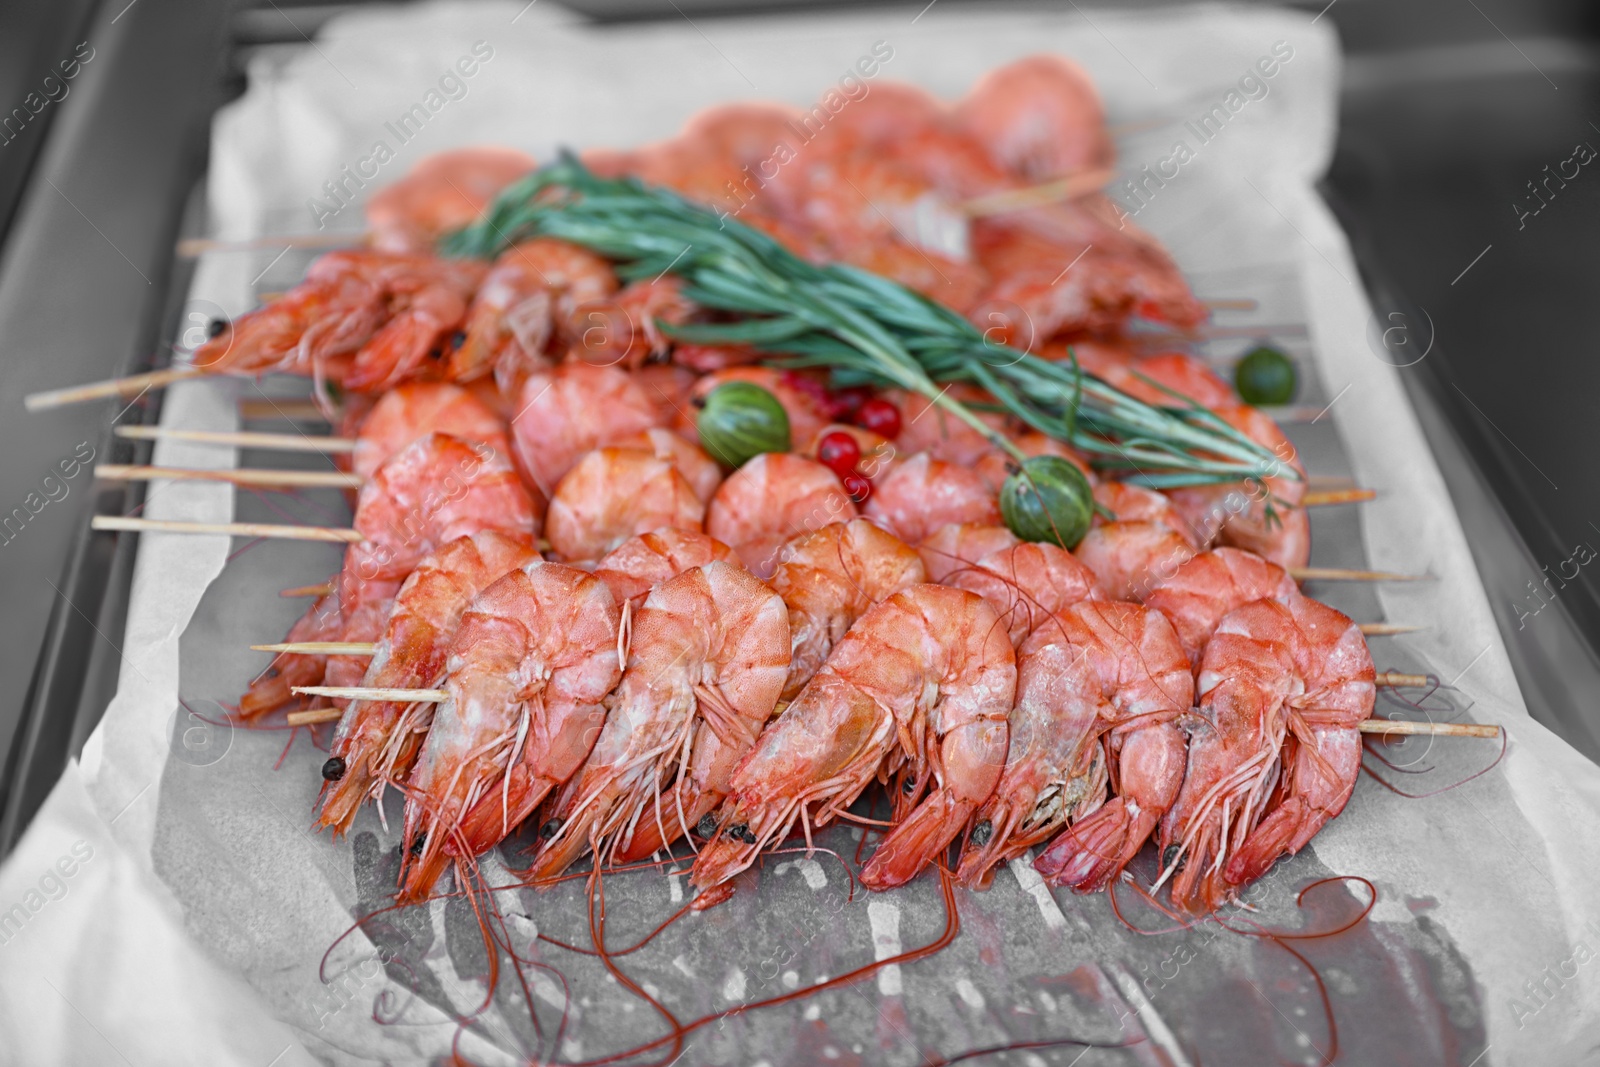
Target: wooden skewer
<point>135,524</point>
<point>361,692</point>
<point>1396,680</point>
<point>282,442</point>
<point>1322,498</point>
<point>120,472</point>
<point>293,410</point>
<point>1245,304</point>
<point>191,247</point>
<point>1437,729</point>
<point>322,589</point>
<point>132,385</point>
<point>314,716</point>
<point>1387,629</point>
<point>320,648</point>
<point>367,648</point>
<point>1072,187</point>
<point>1342,574</point>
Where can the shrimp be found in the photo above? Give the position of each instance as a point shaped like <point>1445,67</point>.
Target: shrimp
<point>613,494</point>
<point>1172,372</point>
<point>942,278</point>
<point>573,409</point>
<point>770,499</point>
<point>747,133</point>
<point>931,429</point>
<point>1145,683</point>
<point>1038,117</point>
<point>706,662</point>
<point>1027,584</point>
<point>924,493</point>
<point>627,328</point>
<point>924,679</point>
<point>274,687</point>
<point>533,290</point>
<point>800,402</point>
<point>443,192</point>
<point>533,658</point>
<point>957,546</point>
<point>856,199</point>
<point>828,579</point>
<point>413,409</point>
<point>1210,585</point>
<point>1134,503</point>
<point>641,563</point>
<point>1275,676</point>
<point>377,741</point>
<point>1262,516</point>
<point>668,386</point>
<point>434,490</point>
<point>1131,558</point>
<point>997,464</point>
<point>1056,770</point>
<point>698,469</point>
<point>360,317</point>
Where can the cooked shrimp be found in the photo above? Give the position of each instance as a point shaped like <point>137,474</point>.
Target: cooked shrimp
<point>800,403</point>
<point>427,302</point>
<point>857,199</point>
<point>746,132</point>
<point>706,662</point>
<point>614,494</point>
<point>997,464</point>
<point>274,687</point>
<point>627,327</point>
<point>828,579</point>
<point>1135,503</point>
<point>1274,675</point>
<point>668,386</point>
<point>957,546</point>
<point>698,469</point>
<point>1038,117</point>
<point>771,499</point>
<point>413,409</point>
<point>1027,584</point>
<point>923,494</point>
<point>377,741</point>
<point>314,328</point>
<point>641,563</point>
<point>534,657</point>
<point>921,681</point>
<point>942,278</point>
<point>1178,372</point>
<point>1210,585</point>
<point>533,290</point>
<point>1145,682</point>
<point>926,427</point>
<point>1238,514</point>
<point>572,409</point>
<point>1131,558</point>
<point>434,490</point>
<point>443,192</point>
<point>1056,770</point>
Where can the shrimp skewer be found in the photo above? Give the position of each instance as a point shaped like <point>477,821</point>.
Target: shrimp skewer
<point>1283,689</point>
<point>377,741</point>
<point>706,661</point>
<point>923,679</point>
<point>533,659</point>
<point>1133,654</point>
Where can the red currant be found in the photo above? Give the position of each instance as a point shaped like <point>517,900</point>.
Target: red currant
<point>859,488</point>
<point>839,452</point>
<point>844,403</point>
<point>881,417</point>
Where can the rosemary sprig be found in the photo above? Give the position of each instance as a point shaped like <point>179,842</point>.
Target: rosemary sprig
<point>862,327</point>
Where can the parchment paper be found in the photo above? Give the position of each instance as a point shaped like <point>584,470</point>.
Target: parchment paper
<point>1478,950</point>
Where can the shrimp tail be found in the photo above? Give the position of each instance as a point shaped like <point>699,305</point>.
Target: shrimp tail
<point>1091,853</point>
<point>916,841</point>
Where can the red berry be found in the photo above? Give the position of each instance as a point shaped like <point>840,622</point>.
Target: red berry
<point>804,383</point>
<point>858,487</point>
<point>839,452</point>
<point>879,416</point>
<point>843,403</point>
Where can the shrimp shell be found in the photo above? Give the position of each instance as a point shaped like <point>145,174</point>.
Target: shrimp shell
<point>641,563</point>
<point>413,409</point>
<point>924,493</point>
<point>770,499</point>
<point>613,494</point>
<point>573,409</point>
